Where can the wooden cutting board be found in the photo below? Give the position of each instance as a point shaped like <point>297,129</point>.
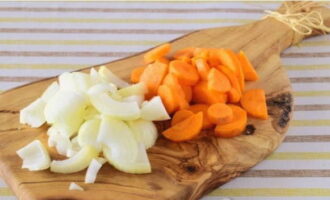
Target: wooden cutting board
<point>179,170</point>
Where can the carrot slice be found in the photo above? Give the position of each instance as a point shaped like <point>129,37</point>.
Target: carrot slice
<point>220,113</point>
<point>136,74</point>
<point>202,94</point>
<point>201,53</point>
<point>153,76</point>
<point>213,57</point>
<point>168,98</point>
<point>188,92</point>
<point>156,53</point>
<point>186,73</point>
<point>185,59</point>
<point>186,52</point>
<point>254,102</point>
<point>196,108</point>
<point>240,78</point>
<point>228,58</point>
<point>177,89</point>
<point>163,60</point>
<point>186,129</point>
<point>234,83</point>
<point>233,95</point>
<point>218,81</point>
<point>180,116</point>
<point>236,126</point>
<point>202,67</point>
<point>250,73</point>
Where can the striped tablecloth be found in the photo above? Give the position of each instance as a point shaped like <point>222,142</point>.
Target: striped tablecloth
<point>41,39</point>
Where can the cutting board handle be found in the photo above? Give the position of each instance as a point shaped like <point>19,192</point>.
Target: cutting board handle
<point>314,7</point>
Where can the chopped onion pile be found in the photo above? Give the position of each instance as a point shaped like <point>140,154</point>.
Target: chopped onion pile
<point>91,114</point>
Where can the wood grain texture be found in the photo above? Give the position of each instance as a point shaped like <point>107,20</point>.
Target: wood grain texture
<point>179,170</point>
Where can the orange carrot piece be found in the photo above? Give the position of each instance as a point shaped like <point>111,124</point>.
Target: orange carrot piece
<point>236,126</point>
<point>136,74</point>
<point>177,89</point>
<point>240,77</point>
<point>156,53</point>
<point>168,98</point>
<point>186,52</point>
<point>220,113</point>
<point>202,94</point>
<point>202,66</point>
<point>218,81</point>
<point>196,108</point>
<point>186,73</point>
<point>201,53</point>
<point>153,76</point>
<point>181,115</point>
<point>163,60</point>
<point>213,57</point>
<point>186,129</point>
<point>254,102</point>
<point>231,76</point>
<point>188,92</point>
<point>250,73</point>
<point>233,95</point>
<point>185,59</point>
<point>228,58</point>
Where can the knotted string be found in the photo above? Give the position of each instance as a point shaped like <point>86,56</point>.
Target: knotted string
<point>297,16</point>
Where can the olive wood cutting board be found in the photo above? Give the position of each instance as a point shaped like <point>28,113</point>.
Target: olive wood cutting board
<point>180,171</point>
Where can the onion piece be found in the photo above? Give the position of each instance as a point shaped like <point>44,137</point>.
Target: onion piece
<point>135,89</point>
<point>95,77</point>
<point>76,163</point>
<point>75,186</point>
<point>109,76</point>
<point>93,169</point>
<point>33,114</point>
<point>144,132</point>
<point>66,109</point>
<point>91,113</point>
<point>76,81</point>
<point>61,142</point>
<point>140,165</point>
<point>134,98</point>
<point>108,106</point>
<point>35,156</point>
<point>88,133</point>
<point>154,110</point>
<point>75,147</point>
<point>116,135</point>
<point>50,91</point>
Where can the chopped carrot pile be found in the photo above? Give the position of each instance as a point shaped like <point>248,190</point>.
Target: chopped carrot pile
<point>203,88</point>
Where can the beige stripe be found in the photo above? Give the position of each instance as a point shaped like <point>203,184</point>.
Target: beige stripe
<point>307,138</point>
<point>123,21</point>
<point>311,93</point>
<point>299,156</point>
<point>310,123</point>
<point>64,54</point>
<point>272,192</point>
<point>306,67</point>
<point>112,31</point>
<point>287,173</point>
<point>41,66</point>
<point>132,10</point>
<point>6,192</point>
<point>305,55</point>
<point>19,79</point>
<point>81,42</point>
<point>310,79</point>
<point>312,107</point>
<point>314,43</point>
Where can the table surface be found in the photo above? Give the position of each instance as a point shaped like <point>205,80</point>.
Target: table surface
<point>41,39</point>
